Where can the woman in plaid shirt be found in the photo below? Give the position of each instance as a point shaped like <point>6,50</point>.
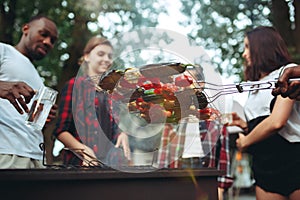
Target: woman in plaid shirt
<point>85,122</point>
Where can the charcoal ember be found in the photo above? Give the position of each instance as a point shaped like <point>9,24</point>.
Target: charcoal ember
<point>202,100</point>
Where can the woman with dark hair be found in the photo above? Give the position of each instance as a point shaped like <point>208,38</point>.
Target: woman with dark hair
<point>272,129</point>
<point>85,120</point>
<point>268,52</point>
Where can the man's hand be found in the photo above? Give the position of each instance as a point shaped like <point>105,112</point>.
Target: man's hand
<point>17,93</point>
<point>52,114</point>
<point>287,88</point>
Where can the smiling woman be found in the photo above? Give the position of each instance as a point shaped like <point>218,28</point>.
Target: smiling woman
<point>85,123</point>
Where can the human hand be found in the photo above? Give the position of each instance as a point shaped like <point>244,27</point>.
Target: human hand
<point>52,115</point>
<point>122,141</point>
<point>286,88</point>
<point>17,93</point>
<point>240,142</point>
<point>237,121</point>
<point>226,119</point>
<point>89,157</point>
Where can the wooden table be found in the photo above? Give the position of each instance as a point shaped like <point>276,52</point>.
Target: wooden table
<point>97,184</point>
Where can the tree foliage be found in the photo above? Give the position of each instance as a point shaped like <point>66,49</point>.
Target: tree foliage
<point>216,24</point>
<point>74,20</point>
<point>221,25</point>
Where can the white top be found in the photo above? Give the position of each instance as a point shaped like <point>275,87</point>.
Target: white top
<point>15,137</point>
<point>258,104</point>
<point>192,144</point>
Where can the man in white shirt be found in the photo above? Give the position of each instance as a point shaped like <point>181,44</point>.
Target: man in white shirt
<point>19,144</point>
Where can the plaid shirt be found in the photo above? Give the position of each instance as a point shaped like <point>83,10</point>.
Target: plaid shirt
<point>90,110</point>
<point>215,147</point>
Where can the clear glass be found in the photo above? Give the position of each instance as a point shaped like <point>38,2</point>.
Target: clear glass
<point>226,118</point>
<point>40,108</point>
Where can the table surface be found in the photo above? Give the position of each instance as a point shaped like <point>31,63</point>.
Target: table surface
<point>90,174</point>
<point>73,184</point>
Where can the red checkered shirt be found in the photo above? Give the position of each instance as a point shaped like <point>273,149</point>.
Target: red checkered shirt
<point>215,144</point>
<point>90,110</point>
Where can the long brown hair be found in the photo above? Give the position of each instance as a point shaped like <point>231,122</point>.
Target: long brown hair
<point>268,52</point>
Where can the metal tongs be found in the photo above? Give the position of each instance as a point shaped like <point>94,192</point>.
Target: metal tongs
<point>237,88</point>
<point>93,162</point>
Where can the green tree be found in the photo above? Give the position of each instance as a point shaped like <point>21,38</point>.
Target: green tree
<point>220,25</point>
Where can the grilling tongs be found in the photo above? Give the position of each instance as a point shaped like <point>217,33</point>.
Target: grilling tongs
<point>219,90</point>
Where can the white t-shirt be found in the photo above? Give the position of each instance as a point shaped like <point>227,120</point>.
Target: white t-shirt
<point>15,137</point>
<point>258,104</point>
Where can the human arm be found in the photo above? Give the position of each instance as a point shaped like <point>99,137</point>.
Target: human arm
<point>72,143</point>
<point>52,114</point>
<point>238,121</point>
<point>286,89</point>
<point>119,138</point>
<point>122,141</point>
<point>220,193</point>
<point>65,130</point>
<point>17,93</point>
<point>275,121</point>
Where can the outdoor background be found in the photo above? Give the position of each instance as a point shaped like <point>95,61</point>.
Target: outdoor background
<point>216,25</point>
